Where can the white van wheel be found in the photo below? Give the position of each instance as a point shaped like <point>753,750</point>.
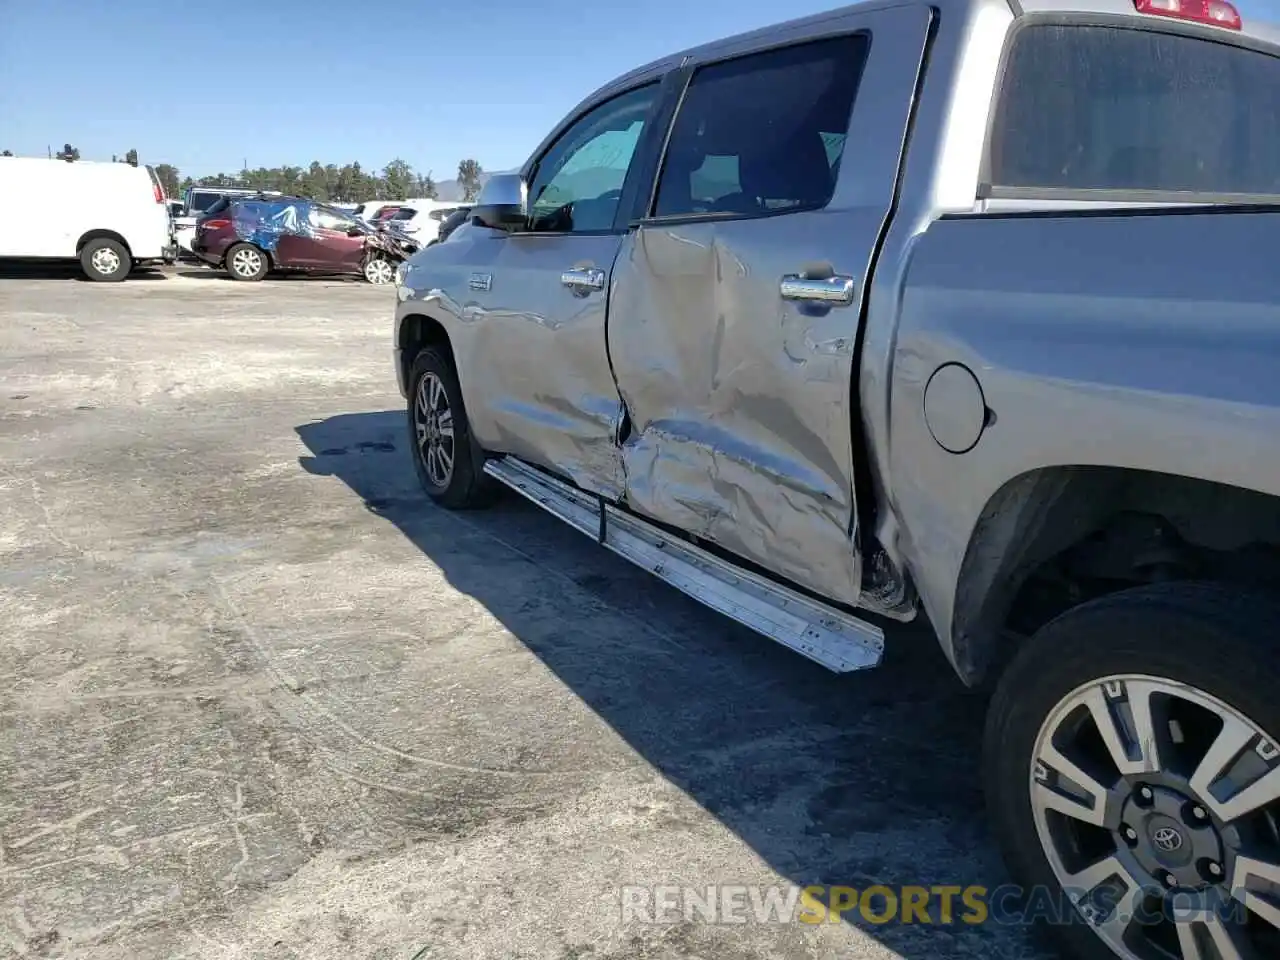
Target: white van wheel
<point>106,260</point>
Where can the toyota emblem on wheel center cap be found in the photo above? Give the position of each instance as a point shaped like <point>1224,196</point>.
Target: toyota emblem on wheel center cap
<point>1167,839</point>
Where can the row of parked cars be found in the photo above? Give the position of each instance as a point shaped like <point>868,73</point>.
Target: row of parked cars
<point>252,233</point>
<point>112,217</point>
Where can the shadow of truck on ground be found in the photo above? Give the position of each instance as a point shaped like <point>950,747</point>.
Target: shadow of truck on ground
<point>854,780</point>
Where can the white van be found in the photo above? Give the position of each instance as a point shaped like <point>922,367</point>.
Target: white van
<point>109,216</point>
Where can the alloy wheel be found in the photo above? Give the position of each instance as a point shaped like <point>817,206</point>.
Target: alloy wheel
<point>379,271</point>
<point>1157,807</point>
<point>246,262</point>
<point>433,424</point>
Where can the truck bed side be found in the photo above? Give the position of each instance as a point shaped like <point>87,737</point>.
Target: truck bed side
<point>1143,340</point>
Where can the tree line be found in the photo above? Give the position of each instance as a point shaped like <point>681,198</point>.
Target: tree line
<point>326,182</point>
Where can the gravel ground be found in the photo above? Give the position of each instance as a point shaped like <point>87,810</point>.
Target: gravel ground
<point>263,700</point>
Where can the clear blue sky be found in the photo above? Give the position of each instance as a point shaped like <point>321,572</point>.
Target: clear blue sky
<point>207,86</point>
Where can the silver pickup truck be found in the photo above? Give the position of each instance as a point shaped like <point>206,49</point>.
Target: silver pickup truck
<point>964,306</point>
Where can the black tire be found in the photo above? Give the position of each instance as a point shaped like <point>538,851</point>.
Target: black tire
<point>465,486</point>
<point>1215,638</point>
<point>247,254</point>
<point>105,260</point>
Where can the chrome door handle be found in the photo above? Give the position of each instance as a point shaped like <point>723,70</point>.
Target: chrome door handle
<point>583,280</point>
<point>837,291</point>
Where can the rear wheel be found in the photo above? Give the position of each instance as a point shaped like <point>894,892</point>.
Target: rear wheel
<point>1133,769</point>
<point>106,260</point>
<point>246,262</point>
<point>443,453</point>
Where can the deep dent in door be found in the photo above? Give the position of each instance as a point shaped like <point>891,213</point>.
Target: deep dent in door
<point>769,444</point>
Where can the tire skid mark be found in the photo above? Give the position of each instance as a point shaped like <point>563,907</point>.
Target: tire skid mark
<point>314,714</point>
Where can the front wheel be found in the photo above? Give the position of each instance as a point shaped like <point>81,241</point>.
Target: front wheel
<point>1132,770</point>
<point>246,262</point>
<point>440,434</point>
<point>379,271</point>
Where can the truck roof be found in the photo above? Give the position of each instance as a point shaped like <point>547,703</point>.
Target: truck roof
<point>1251,28</point>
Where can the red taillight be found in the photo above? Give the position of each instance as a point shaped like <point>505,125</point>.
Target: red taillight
<point>158,190</point>
<point>214,224</point>
<point>1217,13</point>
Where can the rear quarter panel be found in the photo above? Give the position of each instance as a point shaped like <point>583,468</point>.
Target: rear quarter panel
<point>1141,340</point>
<point>121,198</point>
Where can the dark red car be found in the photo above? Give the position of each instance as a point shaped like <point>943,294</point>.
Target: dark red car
<point>253,236</point>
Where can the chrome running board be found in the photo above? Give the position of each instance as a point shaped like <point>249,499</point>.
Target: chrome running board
<point>831,637</point>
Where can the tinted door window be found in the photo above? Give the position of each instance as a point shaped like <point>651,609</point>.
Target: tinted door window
<point>578,182</point>
<point>1106,108</point>
<point>762,133</point>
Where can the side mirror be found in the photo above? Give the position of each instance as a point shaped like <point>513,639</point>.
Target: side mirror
<point>354,231</point>
<point>503,204</point>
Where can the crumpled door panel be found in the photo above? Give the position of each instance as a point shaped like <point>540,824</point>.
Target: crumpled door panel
<point>739,401</point>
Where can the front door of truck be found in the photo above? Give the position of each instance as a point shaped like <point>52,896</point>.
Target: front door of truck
<point>542,388</point>
<point>734,317</point>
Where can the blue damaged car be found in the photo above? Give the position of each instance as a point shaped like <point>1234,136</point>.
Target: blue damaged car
<point>252,237</point>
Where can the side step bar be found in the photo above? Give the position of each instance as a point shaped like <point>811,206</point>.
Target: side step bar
<point>840,642</point>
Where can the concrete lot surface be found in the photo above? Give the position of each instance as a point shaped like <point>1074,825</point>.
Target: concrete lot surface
<point>260,699</point>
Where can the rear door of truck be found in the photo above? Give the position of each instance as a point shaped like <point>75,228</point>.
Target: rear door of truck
<point>737,295</point>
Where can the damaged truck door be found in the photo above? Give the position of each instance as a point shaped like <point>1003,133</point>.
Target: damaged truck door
<point>734,318</point>
<point>538,301</point>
